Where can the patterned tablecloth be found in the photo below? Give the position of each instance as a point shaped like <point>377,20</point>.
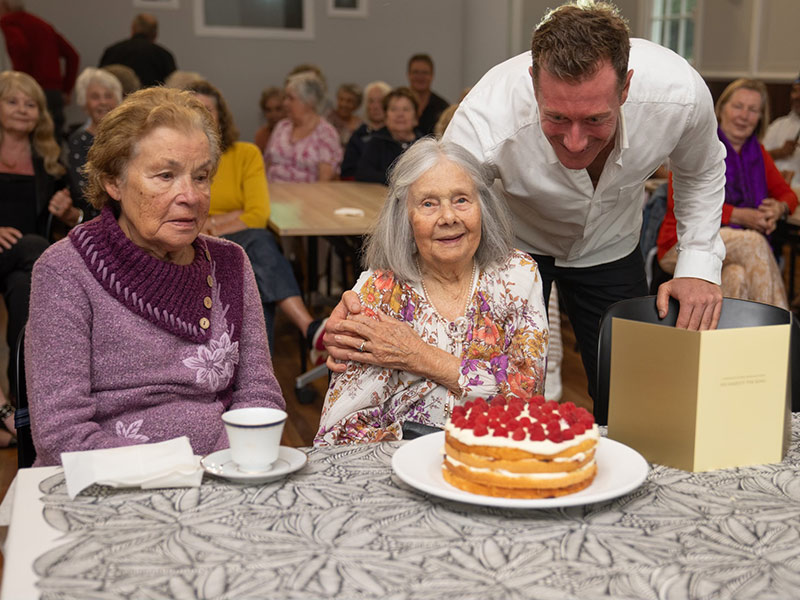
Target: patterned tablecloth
<point>345,527</point>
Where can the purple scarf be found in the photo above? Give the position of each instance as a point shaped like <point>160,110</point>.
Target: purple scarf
<point>168,295</point>
<point>745,174</point>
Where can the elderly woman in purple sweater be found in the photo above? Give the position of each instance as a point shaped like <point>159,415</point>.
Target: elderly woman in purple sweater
<point>140,329</point>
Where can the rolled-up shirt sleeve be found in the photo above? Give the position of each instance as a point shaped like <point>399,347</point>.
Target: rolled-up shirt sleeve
<point>698,167</point>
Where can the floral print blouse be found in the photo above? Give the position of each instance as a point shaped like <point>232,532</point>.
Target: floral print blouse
<point>501,340</point>
<point>299,161</point>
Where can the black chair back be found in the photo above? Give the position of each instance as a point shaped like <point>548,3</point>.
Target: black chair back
<point>735,313</point>
<point>26,453</point>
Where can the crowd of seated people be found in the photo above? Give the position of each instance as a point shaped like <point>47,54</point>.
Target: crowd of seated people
<point>298,144</point>
<point>239,211</point>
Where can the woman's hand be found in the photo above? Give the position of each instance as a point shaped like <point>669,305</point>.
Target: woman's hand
<point>61,207</point>
<point>393,344</point>
<point>8,237</point>
<point>774,210</point>
<point>337,354</point>
<point>386,342</point>
<point>752,218</point>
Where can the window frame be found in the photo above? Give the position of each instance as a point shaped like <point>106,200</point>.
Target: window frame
<point>652,17</point>
<point>201,28</point>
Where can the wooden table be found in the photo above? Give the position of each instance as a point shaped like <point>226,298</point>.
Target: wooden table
<point>310,210</point>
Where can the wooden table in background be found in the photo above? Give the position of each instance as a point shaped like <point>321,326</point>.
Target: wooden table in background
<point>309,210</point>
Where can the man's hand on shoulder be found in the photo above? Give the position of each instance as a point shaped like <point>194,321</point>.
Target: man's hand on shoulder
<point>349,304</point>
<point>700,300</point>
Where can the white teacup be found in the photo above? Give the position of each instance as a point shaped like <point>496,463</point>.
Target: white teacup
<point>255,436</point>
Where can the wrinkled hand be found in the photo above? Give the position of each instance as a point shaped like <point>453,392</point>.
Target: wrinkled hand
<point>773,210</point>
<point>8,237</point>
<point>700,300</point>
<point>386,342</point>
<point>349,305</point>
<point>60,204</point>
<point>752,218</point>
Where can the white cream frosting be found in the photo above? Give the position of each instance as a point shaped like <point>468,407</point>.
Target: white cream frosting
<point>546,447</point>
<point>531,476</point>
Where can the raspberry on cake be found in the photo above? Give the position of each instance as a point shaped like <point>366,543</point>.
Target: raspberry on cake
<point>520,448</point>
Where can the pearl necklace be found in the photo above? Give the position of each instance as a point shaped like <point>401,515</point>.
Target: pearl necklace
<point>465,288</point>
<point>449,401</point>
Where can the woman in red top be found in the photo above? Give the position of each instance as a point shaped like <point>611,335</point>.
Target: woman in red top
<point>756,197</point>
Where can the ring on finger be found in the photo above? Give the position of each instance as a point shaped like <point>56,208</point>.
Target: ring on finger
<point>361,347</point>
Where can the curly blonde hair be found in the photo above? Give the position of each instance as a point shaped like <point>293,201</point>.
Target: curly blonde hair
<point>42,137</point>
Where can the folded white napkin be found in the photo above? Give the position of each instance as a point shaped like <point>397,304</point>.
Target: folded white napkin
<point>348,211</point>
<point>165,464</point>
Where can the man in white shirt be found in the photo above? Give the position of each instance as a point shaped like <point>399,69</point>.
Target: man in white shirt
<point>573,156</point>
<point>783,135</point>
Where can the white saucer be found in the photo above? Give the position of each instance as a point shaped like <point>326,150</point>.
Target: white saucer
<point>220,464</point>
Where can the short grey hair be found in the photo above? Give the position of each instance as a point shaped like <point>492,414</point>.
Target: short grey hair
<point>308,87</point>
<point>390,245</point>
<point>384,87</point>
<point>101,77</point>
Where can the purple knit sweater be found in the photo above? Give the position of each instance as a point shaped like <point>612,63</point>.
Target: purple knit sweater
<point>105,369</point>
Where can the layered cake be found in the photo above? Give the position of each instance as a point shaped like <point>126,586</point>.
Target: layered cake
<point>517,448</point>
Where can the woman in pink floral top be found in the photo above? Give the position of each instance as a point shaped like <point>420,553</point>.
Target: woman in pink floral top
<point>304,147</point>
<point>449,311</point>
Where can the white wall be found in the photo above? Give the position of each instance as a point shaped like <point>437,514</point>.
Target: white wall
<point>486,39</point>
<point>347,49</point>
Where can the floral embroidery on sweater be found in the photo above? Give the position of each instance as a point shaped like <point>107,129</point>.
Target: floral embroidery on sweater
<point>131,431</point>
<point>214,364</point>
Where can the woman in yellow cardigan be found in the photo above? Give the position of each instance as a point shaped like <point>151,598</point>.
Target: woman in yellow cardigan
<point>239,212</point>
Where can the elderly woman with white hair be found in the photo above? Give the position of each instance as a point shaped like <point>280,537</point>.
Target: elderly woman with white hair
<point>448,309</point>
<point>375,119</point>
<point>98,92</point>
<point>303,147</point>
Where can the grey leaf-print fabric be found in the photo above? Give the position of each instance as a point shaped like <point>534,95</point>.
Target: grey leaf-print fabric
<point>345,527</point>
